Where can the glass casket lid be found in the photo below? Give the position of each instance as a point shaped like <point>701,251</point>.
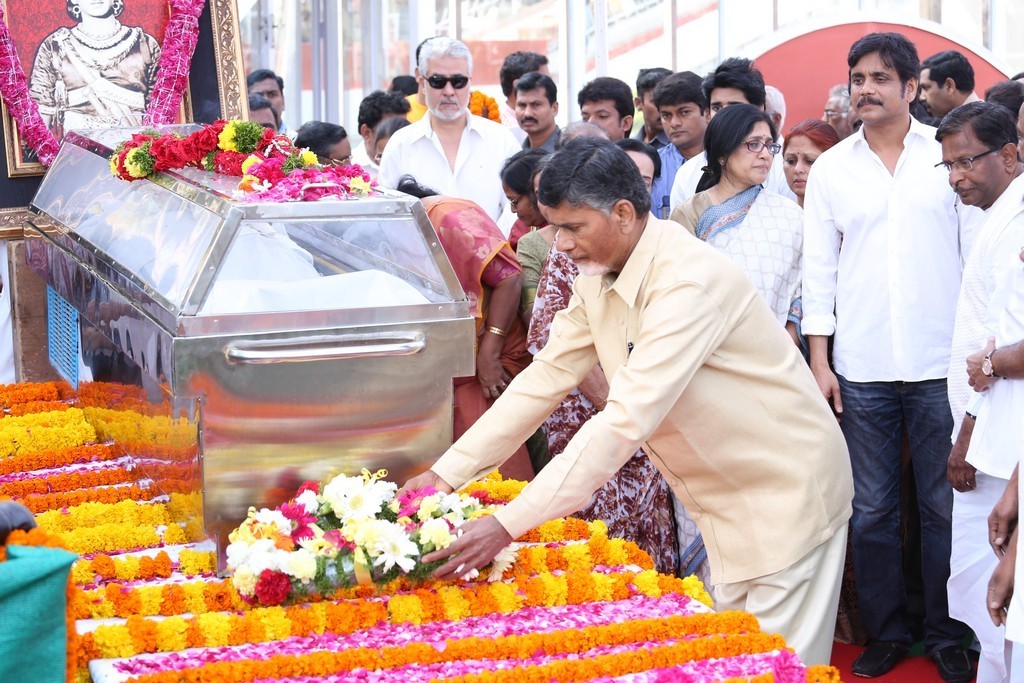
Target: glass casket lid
<point>192,243</point>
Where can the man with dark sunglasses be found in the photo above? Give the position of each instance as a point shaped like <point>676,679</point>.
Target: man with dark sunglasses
<point>458,154</point>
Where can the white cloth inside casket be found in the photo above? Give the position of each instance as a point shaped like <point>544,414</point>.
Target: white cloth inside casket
<point>265,271</point>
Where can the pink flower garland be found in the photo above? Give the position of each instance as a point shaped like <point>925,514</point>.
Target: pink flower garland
<point>175,61</point>
<point>172,77</point>
<point>525,621</point>
<point>14,89</point>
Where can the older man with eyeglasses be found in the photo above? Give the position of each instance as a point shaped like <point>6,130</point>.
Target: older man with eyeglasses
<point>979,151</point>
<point>458,154</point>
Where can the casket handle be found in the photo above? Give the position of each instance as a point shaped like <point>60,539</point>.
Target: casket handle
<point>324,348</point>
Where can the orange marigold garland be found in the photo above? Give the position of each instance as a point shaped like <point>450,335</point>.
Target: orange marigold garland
<point>485,106</point>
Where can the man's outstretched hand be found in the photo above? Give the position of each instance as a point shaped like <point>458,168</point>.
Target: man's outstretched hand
<point>422,481</point>
<point>480,540</point>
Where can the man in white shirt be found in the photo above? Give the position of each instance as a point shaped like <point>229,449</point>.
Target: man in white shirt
<point>456,153</point>
<point>882,274</point>
<point>734,81</point>
<point>979,146</point>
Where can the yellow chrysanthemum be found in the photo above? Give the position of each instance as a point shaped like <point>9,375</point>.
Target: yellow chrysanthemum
<point>359,186</point>
<point>226,139</point>
<point>307,157</point>
<point>132,163</point>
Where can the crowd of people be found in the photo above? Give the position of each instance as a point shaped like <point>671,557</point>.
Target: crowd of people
<point>738,342</point>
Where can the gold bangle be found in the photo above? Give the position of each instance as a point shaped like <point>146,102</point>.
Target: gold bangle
<point>497,330</point>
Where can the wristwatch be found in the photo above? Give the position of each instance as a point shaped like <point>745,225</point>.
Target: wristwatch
<point>986,365</point>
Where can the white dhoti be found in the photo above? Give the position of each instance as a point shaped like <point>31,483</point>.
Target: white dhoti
<point>970,568</point>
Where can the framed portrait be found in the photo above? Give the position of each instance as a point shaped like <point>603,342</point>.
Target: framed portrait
<point>89,64</point>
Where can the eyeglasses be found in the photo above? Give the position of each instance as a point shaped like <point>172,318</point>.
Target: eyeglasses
<point>328,161</point>
<point>438,82</point>
<point>833,113</point>
<point>966,164</point>
<point>758,145</point>
<point>513,203</point>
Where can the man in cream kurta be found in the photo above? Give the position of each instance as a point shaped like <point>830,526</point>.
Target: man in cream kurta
<point>703,378</point>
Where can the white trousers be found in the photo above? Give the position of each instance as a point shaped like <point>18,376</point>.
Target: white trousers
<point>971,564</point>
<point>799,602</point>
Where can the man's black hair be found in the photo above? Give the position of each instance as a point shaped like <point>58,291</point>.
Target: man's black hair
<point>594,173</point>
<point>991,123</point>
<point>681,88</point>
<point>515,65</point>
<point>379,104</point>
<point>608,88</point>
<point>405,85</point>
<point>319,136</point>
<point>1010,94</point>
<point>534,80</point>
<point>262,75</point>
<point>895,50</point>
<point>648,79</point>
<point>950,64</point>
<point>739,73</point>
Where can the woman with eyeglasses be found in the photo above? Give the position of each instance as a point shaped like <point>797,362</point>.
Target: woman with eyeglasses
<point>328,141</point>
<point>762,232</point>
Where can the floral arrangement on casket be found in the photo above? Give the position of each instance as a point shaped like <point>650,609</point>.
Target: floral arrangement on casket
<point>352,530</point>
<point>272,169</point>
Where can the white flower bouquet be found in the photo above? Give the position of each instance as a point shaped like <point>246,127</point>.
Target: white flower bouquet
<point>353,530</point>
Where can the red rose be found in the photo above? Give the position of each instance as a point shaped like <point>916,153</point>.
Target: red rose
<point>205,140</point>
<point>229,163</point>
<point>168,152</point>
<point>273,588</point>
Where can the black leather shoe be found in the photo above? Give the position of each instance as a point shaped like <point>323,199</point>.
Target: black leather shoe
<point>953,664</point>
<point>879,659</point>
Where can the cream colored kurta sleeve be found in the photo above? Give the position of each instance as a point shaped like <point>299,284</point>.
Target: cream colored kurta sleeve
<point>668,349</point>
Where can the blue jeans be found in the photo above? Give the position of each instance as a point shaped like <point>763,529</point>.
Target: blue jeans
<point>873,418</point>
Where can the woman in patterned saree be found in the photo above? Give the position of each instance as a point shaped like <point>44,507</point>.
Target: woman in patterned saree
<point>761,232</point>
<point>492,279</point>
<point>97,74</point>
<point>636,503</point>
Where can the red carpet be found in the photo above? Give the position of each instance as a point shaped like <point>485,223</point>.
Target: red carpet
<point>910,670</point>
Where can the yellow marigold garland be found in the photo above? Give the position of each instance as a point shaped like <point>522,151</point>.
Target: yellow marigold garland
<point>126,426</point>
<point>48,431</point>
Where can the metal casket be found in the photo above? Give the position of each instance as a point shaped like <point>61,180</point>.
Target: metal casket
<point>298,340</point>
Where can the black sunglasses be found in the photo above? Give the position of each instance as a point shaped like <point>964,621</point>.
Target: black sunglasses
<point>458,81</point>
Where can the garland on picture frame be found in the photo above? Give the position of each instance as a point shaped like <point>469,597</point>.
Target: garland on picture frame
<point>179,44</point>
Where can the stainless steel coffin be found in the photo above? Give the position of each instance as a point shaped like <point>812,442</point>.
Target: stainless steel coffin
<point>299,340</point>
